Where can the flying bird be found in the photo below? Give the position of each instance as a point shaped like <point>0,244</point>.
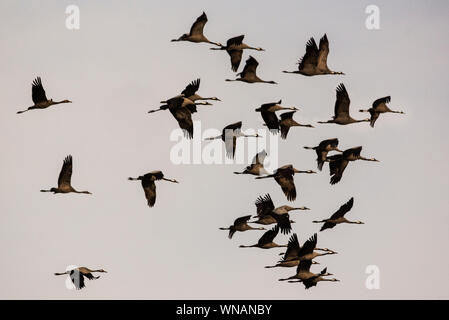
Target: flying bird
<point>284,177</point>
<point>287,122</point>
<point>341,110</point>
<point>379,106</point>
<point>291,256</point>
<point>268,113</point>
<point>149,186</point>
<point>248,74</point>
<point>338,217</point>
<point>77,275</point>
<point>256,167</point>
<point>308,278</point>
<point>182,113</point>
<point>314,62</point>
<point>240,224</point>
<point>339,162</point>
<point>39,98</point>
<point>323,149</point>
<point>229,136</point>
<point>234,47</point>
<point>266,241</point>
<point>190,93</point>
<point>280,215</point>
<point>64,179</point>
<point>196,32</point>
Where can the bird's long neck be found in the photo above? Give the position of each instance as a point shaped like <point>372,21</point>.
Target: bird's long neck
<point>59,102</point>
<point>61,273</point>
<point>225,228</point>
<point>310,148</point>
<point>289,278</point>
<point>213,138</point>
<point>401,112</point>
<point>267,176</point>
<point>336,72</point>
<point>353,222</point>
<point>170,180</point>
<point>214,43</point>
<point>250,135</point>
<point>252,246</point>
<point>84,192</point>
<point>324,253</point>
<point>367,159</point>
<point>208,98</point>
<point>362,120</point>
<point>156,110</point>
<point>133,179</point>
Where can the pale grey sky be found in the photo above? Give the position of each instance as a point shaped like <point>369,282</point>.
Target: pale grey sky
<point>121,63</point>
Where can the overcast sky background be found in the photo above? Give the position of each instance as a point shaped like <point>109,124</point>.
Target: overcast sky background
<point>121,63</point>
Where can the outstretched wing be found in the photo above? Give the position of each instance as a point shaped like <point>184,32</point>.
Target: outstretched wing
<point>342,102</point>
<point>304,266</point>
<point>271,120</point>
<point>283,221</point>
<point>380,101</point>
<point>336,169</point>
<point>288,186</point>
<point>284,127</point>
<point>292,249</point>
<point>198,25</point>
<point>184,118</point>
<point>268,236</point>
<point>343,209</point>
<point>264,205</point>
<point>308,246</point>
<point>77,279</point>
<point>310,58</point>
<point>65,176</point>
<point>235,41</point>
<point>38,92</point>
<point>259,158</point>
<point>241,220</point>
<point>250,67</point>
<point>191,88</point>
<point>182,115</point>
<point>374,117</point>
<point>323,52</point>
<point>236,58</point>
<point>230,146</point>
<point>149,187</point>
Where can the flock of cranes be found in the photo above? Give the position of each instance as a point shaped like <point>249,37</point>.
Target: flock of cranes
<point>186,103</point>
